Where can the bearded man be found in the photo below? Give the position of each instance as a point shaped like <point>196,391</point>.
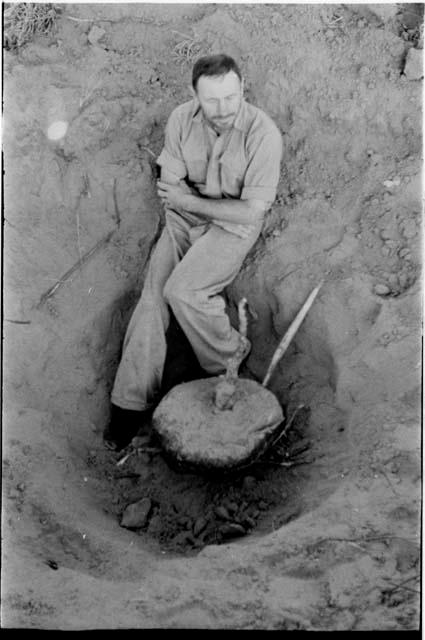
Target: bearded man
<point>220,168</point>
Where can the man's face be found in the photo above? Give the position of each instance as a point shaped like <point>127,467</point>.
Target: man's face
<point>220,98</point>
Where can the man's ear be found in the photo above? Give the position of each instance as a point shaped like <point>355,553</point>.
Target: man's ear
<point>192,91</point>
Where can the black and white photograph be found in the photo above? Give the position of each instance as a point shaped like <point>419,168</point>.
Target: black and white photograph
<point>212,316</point>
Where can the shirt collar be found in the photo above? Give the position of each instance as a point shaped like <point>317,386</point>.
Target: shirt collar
<point>198,116</point>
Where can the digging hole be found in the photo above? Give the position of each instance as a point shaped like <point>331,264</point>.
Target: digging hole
<point>183,512</point>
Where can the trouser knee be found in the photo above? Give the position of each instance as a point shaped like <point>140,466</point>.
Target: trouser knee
<point>176,293</point>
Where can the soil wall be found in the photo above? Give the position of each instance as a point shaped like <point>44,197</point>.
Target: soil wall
<point>81,215</point>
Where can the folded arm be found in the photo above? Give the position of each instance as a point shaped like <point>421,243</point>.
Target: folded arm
<point>243,212</point>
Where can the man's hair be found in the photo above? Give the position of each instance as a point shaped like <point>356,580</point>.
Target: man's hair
<point>214,65</point>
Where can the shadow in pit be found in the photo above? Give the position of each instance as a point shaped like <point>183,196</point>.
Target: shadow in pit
<point>182,511</point>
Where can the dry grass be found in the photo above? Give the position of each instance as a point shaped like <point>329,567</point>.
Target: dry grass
<point>188,50</point>
<point>24,20</point>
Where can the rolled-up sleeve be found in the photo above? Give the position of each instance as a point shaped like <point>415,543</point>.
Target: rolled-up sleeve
<point>263,171</point>
<point>171,155</point>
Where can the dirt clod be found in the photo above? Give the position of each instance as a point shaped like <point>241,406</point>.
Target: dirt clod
<point>413,68</point>
<point>136,515</point>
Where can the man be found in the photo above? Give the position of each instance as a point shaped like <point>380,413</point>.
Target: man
<point>220,167</point>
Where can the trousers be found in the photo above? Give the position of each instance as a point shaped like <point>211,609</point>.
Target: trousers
<point>189,268</point>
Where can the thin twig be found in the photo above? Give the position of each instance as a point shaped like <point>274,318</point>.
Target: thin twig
<point>181,34</point>
<point>388,481</point>
<point>401,585</point>
<point>18,321</point>
<point>80,19</point>
<point>125,458</point>
<point>85,258</point>
<point>365,539</point>
<point>117,211</point>
<point>289,425</point>
<point>77,215</point>
<point>154,155</point>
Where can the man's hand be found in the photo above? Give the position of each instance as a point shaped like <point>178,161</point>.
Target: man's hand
<point>173,195</point>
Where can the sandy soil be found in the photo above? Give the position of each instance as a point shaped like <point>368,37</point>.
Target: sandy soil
<point>328,540</point>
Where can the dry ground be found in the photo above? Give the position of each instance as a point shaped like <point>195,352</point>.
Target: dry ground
<point>333,542</point>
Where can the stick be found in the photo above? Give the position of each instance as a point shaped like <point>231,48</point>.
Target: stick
<point>50,292</point>
<point>287,338</point>
<point>243,321</point>
<point>125,458</point>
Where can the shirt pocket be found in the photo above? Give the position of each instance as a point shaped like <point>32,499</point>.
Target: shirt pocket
<point>232,174</point>
<point>196,168</point>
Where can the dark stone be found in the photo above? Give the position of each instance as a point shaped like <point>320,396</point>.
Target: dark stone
<point>222,513</point>
<point>232,530</point>
<point>199,526</point>
<point>136,515</point>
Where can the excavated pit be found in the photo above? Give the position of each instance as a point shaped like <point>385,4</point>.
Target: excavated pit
<point>159,498</point>
<point>330,518</point>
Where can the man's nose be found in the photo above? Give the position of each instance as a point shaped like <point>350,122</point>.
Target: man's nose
<point>221,108</point>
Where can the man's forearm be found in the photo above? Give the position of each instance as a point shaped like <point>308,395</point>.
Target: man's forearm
<point>225,209</point>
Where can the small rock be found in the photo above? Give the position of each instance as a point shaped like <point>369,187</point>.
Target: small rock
<point>390,184</point>
<point>254,513</point>
<point>21,486</point>
<point>393,280</point>
<point>136,515</point>
<point>140,441</point>
<point>409,229</point>
<point>53,565</point>
<point>199,525</point>
<point>221,512</point>
<point>249,522</point>
<point>381,289</point>
<point>96,33</point>
<point>232,530</point>
<point>394,467</point>
<point>403,252</point>
<point>249,482</point>
<point>392,244</point>
<point>182,538</point>
<point>263,505</point>
<point>155,525</point>
<point>385,12</point>
<point>404,281</point>
<point>413,68</point>
<point>232,507</point>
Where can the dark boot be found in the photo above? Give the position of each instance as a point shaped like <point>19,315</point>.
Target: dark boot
<point>123,426</point>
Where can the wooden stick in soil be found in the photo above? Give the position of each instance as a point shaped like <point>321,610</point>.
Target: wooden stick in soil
<point>85,258</point>
<point>289,335</point>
